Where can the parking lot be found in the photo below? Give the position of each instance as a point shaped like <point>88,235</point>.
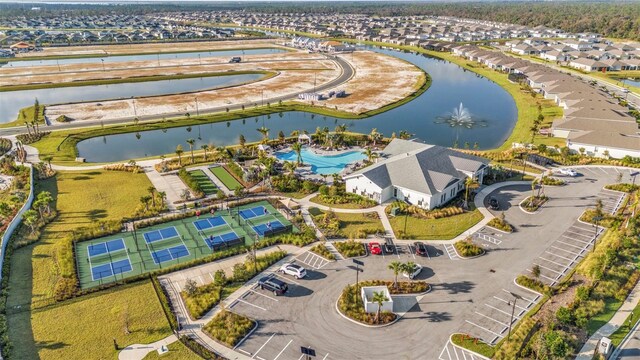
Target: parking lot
<point>474,296</point>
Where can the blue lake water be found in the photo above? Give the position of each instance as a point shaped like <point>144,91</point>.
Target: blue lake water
<point>158,56</point>
<point>451,85</point>
<point>12,101</point>
<point>323,164</point>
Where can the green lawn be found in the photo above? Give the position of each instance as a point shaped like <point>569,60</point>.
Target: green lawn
<point>227,179</point>
<point>356,225</point>
<point>435,229</point>
<point>177,351</point>
<point>85,328</point>
<point>203,180</point>
<point>83,199</point>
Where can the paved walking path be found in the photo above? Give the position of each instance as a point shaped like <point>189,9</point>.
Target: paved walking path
<point>618,319</point>
<point>139,351</point>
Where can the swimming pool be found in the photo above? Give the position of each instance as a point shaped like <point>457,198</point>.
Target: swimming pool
<point>323,164</point>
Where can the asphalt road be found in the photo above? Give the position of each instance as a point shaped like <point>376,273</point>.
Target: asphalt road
<point>347,72</point>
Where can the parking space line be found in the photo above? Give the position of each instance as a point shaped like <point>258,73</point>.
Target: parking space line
<point>490,318</point>
<point>572,245</point>
<point>544,276</point>
<point>509,303</point>
<point>502,311</point>
<point>565,250</point>
<point>578,233</point>
<point>324,358</point>
<point>285,279</point>
<point>485,329</point>
<point>553,262</point>
<point>243,351</point>
<point>455,351</point>
<point>281,351</point>
<point>268,297</point>
<point>582,241</point>
<point>562,257</point>
<point>254,305</point>
<point>263,345</point>
<point>544,267</point>
<point>531,301</point>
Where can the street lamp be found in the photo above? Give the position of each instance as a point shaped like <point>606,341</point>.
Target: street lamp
<point>255,241</point>
<point>595,235</point>
<point>516,297</point>
<point>197,108</point>
<point>103,69</point>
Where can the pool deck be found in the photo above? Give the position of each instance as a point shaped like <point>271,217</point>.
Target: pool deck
<point>305,171</point>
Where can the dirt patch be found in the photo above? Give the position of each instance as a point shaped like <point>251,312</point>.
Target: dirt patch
<point>149,48</point>
<point>379,80</point>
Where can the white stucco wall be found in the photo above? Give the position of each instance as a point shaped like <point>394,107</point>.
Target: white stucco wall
<point>598,151</point>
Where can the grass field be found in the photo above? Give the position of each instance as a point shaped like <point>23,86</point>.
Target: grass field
<point>207,186</point>
<point>356,225</point>
<point>435,229</point>
<point>85,328</point>
<point>83,198</point>
<point>227,179</point>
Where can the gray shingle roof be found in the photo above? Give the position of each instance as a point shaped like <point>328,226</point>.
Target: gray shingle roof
<point>420,167</point>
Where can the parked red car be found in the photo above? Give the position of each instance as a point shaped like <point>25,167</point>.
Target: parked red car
<point>375,248</point>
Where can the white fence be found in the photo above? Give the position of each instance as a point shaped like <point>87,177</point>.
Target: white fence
<point>16,221</point>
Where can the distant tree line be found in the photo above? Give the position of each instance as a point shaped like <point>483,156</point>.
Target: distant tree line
<point>618,19</point>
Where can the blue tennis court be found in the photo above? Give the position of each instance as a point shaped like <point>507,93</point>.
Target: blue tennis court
<point>263,228</point>
<point>105,247</point>
<point>208,223</point>
<point>169,254</point>
<point>157,235</point>
<point>216,241</point>
<point>253,212</point>
<point>110,269</point>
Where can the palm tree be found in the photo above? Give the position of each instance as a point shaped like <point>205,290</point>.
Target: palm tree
<point>409,267</point>
<point>289,167</point>
<point>341,128</point>
<point>179,152</point>
<point>369,154</point>
<point>396,267</point>
<point>374,136</point>
<point>379,297</point>
<point>470,183</point>
<point>405,135</point>
<point>162,195</point>
<point>242,140</point>
<point>297,147</point>
<point>205,147</point>
<point>145,200</point>
<point>191,142</point>
<point>265,133</point>
<point>152,191</point>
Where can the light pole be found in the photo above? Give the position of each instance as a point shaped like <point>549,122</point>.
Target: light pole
<point>197,108</point>
<point>595,235</point>
<point>199,60</point>
<point>255,241</point>
<point>103,69</point>
<point>516,297</point>
<point>135,112</point>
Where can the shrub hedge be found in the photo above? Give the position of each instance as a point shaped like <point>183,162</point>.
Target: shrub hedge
<point>228,327</point>
<point>466,248</point>
<point>350,248</point>
<point>191,182</point>
<point>322,250</point>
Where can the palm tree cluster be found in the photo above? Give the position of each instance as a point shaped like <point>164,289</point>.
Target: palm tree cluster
<point>397,267</point>
<point>40,209</point>
<point>153,201</point>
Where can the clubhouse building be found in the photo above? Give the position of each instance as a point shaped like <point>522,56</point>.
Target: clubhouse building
<point>420,174</point>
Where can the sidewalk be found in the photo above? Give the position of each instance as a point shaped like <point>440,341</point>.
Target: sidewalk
<point>618,319</point>
<point>139,351</point>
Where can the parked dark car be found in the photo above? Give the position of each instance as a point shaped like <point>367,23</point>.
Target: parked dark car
<point>278,287</point>
<point>421,248</point>
<point>494,204</point>
<point>389,246</point>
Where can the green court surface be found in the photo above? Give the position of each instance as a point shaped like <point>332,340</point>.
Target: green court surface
<point>127,254</point>
<point>207,186</point>
<point>227,179</point>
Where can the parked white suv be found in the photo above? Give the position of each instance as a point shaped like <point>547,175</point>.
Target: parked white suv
<point>413,274</point>
<point>294,270</point>
<point>568,172</point>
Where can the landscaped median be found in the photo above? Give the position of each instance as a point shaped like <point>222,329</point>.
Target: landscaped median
<point>467,249</point>
<point>351,304</point>
<point>321,250</point>
<point>229,328</point>
<point>350,248</point>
